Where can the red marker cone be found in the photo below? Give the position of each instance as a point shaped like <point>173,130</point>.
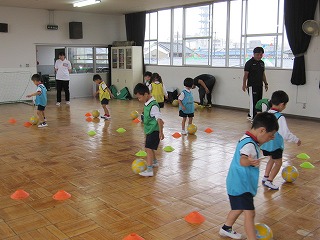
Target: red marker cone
<point>88,114</point>
<point>136,120</point>
<point>195,217</point>
<point>89,119</point>
<point>19,194</point>
<point>176,135</point>
<point>27,124</point>
<point>61,195</point>
<point>208,130</point>
<point>12,120</point>
<point>133,236</point>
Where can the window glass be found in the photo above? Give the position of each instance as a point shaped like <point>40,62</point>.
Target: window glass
<point>197,21</point>
<point>235,33</point>
<point>146,52</point>
<point>197,52</point>
<point>81,59</point>
<point>153,26</point>
<point>147,31</point>
<point>164,40</point>
<point>102,61</point>
<point>177,36</point>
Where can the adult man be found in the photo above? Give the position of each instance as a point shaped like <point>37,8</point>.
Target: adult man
<point>254,76</point>
<point>63,69</point>
<point>205,83</point>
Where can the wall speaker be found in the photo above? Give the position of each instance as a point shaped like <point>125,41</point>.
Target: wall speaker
<point>4,27</point>
<point>75,30</point>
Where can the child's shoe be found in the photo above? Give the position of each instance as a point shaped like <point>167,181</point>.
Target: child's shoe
<point>231,234</point>
<point>270,185</point>
<point>58,103</point>
<point>41,125</point>
<point>146,173</point>
<point>184,132</point>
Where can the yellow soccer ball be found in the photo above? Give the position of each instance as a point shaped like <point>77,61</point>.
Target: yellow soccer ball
<point>263,231</point>
<point>138,165</point>
<point>34,120</point>
<point>95,113</point>
<point>175,103</point>
<point>134,114</point>
<point>290,173</point>
<point>192,129</point>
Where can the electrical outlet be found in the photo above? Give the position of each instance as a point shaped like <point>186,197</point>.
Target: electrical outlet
<point>304,105</point>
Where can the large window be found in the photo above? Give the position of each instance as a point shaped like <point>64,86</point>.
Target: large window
<point>222,33</point>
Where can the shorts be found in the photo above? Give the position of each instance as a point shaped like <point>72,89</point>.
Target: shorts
<point>41,108</point>
<point>182,114</point>
<point>104,101</point>
<point>152,140</point>
<point>242,202</point>
<point>276,154</point>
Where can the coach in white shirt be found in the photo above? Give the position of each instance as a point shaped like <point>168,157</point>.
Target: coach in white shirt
<point>63,69</point>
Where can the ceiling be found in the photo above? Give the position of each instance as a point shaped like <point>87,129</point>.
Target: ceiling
<point>105,7</point>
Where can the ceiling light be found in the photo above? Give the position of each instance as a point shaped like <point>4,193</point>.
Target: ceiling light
<point>85,3</point>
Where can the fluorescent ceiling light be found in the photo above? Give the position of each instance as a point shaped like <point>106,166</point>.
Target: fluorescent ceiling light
<point>85,3</point>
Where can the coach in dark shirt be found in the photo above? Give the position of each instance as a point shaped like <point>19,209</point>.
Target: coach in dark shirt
<point>205,83</point>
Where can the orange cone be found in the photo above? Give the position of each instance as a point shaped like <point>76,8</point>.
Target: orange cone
<point>27,124</point>
<point>61,195</point>
<point>133,236</point>
<point>195,217</point>
<point>176,135</point>
<point>89,119</point>
<point>19,194</point>
<point>208,130</point>
<point>12,120</point>
<point>136,120</point>
<point>88,114</point>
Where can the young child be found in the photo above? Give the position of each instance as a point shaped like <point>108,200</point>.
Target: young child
<point>186,104</point>
<point>153,126</point>
<point>274,148</point>
<point>263,105</point>
<point>157,89</point>
<point>147,77</point>
<point>41,99</point>
<point>243,175</point>
<point>104,95</point>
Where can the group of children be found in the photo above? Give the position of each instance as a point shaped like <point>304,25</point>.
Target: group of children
<point>268,131</point>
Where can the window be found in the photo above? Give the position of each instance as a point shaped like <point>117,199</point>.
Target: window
<point>222,33</point>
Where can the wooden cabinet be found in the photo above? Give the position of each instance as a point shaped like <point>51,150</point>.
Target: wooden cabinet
<point>126,67</point>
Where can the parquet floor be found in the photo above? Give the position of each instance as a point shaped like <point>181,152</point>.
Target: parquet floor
<point>109,201</point>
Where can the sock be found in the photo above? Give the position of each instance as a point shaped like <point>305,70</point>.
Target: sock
<point>227,228</point>
<point>266,176</point>
<point>149,168</point>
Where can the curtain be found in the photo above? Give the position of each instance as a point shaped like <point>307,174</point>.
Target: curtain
<point>135,29</point>
<point>295,13</point>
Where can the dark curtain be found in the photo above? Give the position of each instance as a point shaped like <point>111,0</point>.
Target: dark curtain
<point>135,29</point>
<point>295,13</point>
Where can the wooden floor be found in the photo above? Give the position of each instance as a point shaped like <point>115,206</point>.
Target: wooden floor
<point>109,201</point>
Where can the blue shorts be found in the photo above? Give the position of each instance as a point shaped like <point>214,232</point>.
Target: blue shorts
<point>242,202</point>
<point>104,101</point>
<point>41,108</point>
<point>152,140</point>
<point>276,154</point>
<point>182,114</point>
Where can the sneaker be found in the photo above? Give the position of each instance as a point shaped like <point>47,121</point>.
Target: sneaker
<point>264,179</point>
<point>232,234</point>
<point>249,119</point>
<point>270,185</point>
<point>68,102</point>
<point>42,125</point>
<point>209,105</point>
<point>146,173</point>
<point>58,103</point>
<point>183,132</point>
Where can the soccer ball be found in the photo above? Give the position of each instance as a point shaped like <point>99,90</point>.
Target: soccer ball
<point>134,114</point>
<point>290,174</point>
<point>263,231</point>
<point>175,103</point>
<point>95,113</point>
<point>192,128</point>
<point>138,166</point>
<point>34,120</point>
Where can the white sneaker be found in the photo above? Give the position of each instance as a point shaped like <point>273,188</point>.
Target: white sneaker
<point>68,102</point>
<point>232,234</point>
<point>42,125</point>
<point>270,185</point>
<point>146,173</point>
<point>264,179</point>
<point>183,132</point>
<point>58,103</point>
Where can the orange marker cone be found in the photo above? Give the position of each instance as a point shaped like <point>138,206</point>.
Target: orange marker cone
<point>88,114</point>
<point>27,124</point>
<point>61,195</point>
<point>133,236</point>
<point>136,120</point>
<point>176,135</point>
<point>208,130</point>
<point>195,217</point>
<point>19,194</point>
<point>12,120</point>
<point>89,119</point>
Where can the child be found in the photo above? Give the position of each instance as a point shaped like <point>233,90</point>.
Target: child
<point>157,89</point>
<point>153,126</point>
<point>147,77</point>
<point>243,175</point>
<point>41,99</point>
<point>274,148</point>
<point>263,105</point>
<point>186,104</point>
<point>104,95</point>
